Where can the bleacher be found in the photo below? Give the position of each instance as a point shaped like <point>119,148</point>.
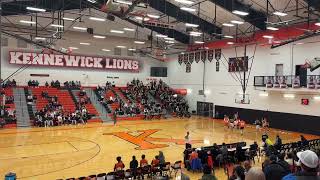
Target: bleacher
<point>8,91</point>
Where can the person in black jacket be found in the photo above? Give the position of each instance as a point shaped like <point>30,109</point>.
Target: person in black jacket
<point>133,166</point>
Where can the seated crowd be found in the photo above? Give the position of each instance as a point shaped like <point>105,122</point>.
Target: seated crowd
<point>7,115</point>
<point>54,114</point>
<point>8,83</point>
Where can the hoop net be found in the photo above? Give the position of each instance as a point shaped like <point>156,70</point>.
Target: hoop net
<point>240,99</point>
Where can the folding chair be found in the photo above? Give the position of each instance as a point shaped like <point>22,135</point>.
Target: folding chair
<point>176,167</point>
<point>165,169</point>
<point>92,177</point>
<point>101,176</point>
<point>128,174</point>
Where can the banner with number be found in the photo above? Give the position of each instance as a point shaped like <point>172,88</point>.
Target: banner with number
<point>197,56</point>
<point>191,57</point>
<point>203,56</point>
<point>180,59</point>
<point>218,54</point>
<point>188,67</point>
<point>210,55</point>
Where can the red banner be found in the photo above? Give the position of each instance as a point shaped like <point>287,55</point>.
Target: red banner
<point>73,61</point>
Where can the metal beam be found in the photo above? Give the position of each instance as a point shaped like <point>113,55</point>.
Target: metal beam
<point>174,11</point>
<point>314,3</point>
<point>255,17</point>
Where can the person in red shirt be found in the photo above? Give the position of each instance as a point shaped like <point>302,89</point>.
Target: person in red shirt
<point>209,160</point>
<point>119,165</point>
<point>143,161</point>
<point>242,125</point>
<point>193,155</point>
<point>155,162</point>
<point>226,121</point>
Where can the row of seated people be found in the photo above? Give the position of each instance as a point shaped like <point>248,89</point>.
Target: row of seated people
<point>142,169</point>
<point>282,82</point>
<point>7,116</point>
<point>8,83</point>
<point>53,115</point>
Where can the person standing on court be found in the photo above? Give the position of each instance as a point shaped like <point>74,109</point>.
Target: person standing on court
<point>114,118</point>
<point>187,140</point>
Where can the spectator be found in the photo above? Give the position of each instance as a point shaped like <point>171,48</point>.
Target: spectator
<point>278,142</point>
<point>238,173</point>
<point>134,166</point>
<point>309,163</point>
<point>247,166</point>
<point>119,165</point>
<point>143,161</point>
<point>275,169</point>
<point>255,174</point>
<point>207,175</point>
<point>161,158</point>
<point>155,162</point>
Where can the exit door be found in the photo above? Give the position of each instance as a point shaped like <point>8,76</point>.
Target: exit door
<point>302,73</point>
<point>279,70</point>
<point>205,109</point>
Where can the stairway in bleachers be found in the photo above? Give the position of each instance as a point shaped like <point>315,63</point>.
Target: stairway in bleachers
<point>118,91</point>
<point>22,114</point>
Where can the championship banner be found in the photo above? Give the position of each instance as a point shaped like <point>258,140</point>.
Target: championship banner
<point>191,57</point>
<point>73,61</point>
<point>197,56</point>
<point>203,56</point>
<point>180,59</point>
<point>188,67</point>
<point>210,55</point>
<point>185,58</point>
<point>218,54</point>
<point>217,66</point>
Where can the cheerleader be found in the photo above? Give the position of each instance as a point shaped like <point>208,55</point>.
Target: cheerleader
<point>265,124</point>
<point>242,125</point>
<point>226,121</point>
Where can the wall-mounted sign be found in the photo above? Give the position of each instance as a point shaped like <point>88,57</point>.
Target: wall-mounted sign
<point>73,61</point>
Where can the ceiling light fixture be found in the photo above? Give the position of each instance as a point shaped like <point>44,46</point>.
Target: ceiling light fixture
<point>138,18</point>
<point>123,2</point>
<point>121,47</point>
<point>116,31</point>
<point>106,50</point>
<point>97,19</point>
<point>188,9</point>
<point>161,36</point>
<point>139,42</point>
<point>227,36</point>
<point>131,49</point>
<point>263,94</point>
<point>73,48</point>
<point>237,22</point>
<point>241,13</point>
<point>27,22</point>
<point>272,28</point>
<point>84,43</point>
<point>68,19</point>
<point>129,29</point>
<point>289,95</point>
<point>80,28</point>
<point>40,38</point>
<point>170,42</point>
<point>316,97</point>
<point>146,19</point>
<point>277,13</point>
<point>198,42</point>
<point>192,25</point>
<point>185,2</point>
<point>228,25</point>
<point>169,38</point>
<point>267,36</point>
<point>153,16</point>
<point>317,24</point>
<point>230,43</point>
<point>92,1</point>
<point>99,37</point>
<point>56,25</point>
<point>36,9</point>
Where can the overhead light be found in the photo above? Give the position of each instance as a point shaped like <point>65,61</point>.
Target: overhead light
<point>99,37</point>
<point>138,18</point>
<point>131,49</point>
<point>128,29</point>
<point>273,28</point>
<point>106,50</point>
<point>40,38</point>
<point>36,9</point>
<point>267,36</point>
<point>317,24</point>
<point>241,13</point>
<point>188,9</point>
<point>316,97</point>
<point>73,48</point>
<point>194,33</point>
<point>97,19</point>
<point>227,24</point>
<point>198,42</point>
<point>237,22</point>
<point>230,43</point>
<point>121,47</point>
<point>170,42</point>
<point>299,43</point>
<point>139,42</point>
<point>56,25</point>
<point>123,2</point>
<point>161,36</point>
<point>153,16</point>
<point>169,38</point>
<point>185,2</point>
<point>226,36</point>
<point>27,22</point>
<point>116,31</point>
<point>68,19</point>
<point>192,25</point>
<point>146,19</point>
<point>84,43</point>
<point>288,95</point>
<point>263,94</point>
<point>92,1</point>
<point>80,28</point>
<point>277,13</point>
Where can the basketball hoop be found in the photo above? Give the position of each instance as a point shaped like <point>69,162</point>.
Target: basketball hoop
<point>242,98</point>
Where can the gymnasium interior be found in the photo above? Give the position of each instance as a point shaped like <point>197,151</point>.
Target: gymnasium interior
<point>159,89</point>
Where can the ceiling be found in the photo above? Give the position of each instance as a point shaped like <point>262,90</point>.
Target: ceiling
<point>210,15</point>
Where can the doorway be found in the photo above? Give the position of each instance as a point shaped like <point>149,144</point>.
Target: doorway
<point>279,70</point>
<point>302,73</point>
<point>205,109</point>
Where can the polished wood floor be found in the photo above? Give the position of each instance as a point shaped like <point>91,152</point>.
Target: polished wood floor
<point>74,151</point>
